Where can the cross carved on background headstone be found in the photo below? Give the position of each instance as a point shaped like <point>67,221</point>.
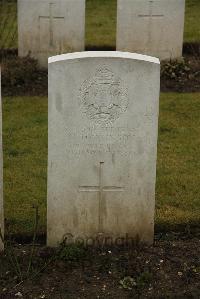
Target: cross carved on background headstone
<point>150,15</point>
<point>51,18</point>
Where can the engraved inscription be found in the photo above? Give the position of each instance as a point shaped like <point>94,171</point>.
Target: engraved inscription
<point>104,97</point>
<point>93,140</point>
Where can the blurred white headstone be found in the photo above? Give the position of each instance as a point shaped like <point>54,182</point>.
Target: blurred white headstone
<point>151,27</point>
<point>47,28</point>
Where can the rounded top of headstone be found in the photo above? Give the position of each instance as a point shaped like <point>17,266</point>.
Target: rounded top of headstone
<point>103,54</point>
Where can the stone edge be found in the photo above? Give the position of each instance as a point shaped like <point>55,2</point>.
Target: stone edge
<point>103,54</point>
<point>1,176</point>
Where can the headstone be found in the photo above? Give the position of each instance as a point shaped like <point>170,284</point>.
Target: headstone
<point>47,28</point>
<point>103,119</point>
<point>1,179</point>
<point>152,27</point>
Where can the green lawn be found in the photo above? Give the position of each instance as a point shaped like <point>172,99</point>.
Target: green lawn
<point>25,161</point>
<point>192,21</point>
<point>178,175</point>
<point>8,25</point>
<point>100,23</point>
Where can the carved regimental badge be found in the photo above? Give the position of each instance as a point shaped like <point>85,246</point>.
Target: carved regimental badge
<point>103,97</point>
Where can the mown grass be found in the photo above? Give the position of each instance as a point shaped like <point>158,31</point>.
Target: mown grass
<point>8,25</point>
<point>25,161</point>
<point>100,23</point>
<point>192,21</point>
<point>178,175</point>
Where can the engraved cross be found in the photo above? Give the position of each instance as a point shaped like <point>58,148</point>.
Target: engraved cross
<point>51,18</point>
<point>101,188</point>
<point>150,15</point>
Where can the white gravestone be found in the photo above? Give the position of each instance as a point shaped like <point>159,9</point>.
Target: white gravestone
<point>151,27</point>
<point>1,177</point>
<point>47,28</point>
<point>103,119</point>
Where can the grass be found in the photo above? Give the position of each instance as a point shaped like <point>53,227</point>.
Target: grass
<point>100,23</point>
<point>8,25</point>
<point>192,25</point>
<point>25,161</point>
<point>178,176</point>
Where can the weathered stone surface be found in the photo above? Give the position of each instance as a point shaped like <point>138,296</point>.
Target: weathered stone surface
<point>1,177</point>
<point>103,119</point>
<point>47,28</point>
<point>151,27</point>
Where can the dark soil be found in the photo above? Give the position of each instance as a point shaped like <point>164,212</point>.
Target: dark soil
<point>21,76</point>
<point>169,269</point>
<point>181,76</point>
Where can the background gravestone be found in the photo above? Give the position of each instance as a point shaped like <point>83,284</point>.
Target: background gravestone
<point>151,27</point>
<point>1,176</point>
<point>103,119</point>
<point>47,28</point>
